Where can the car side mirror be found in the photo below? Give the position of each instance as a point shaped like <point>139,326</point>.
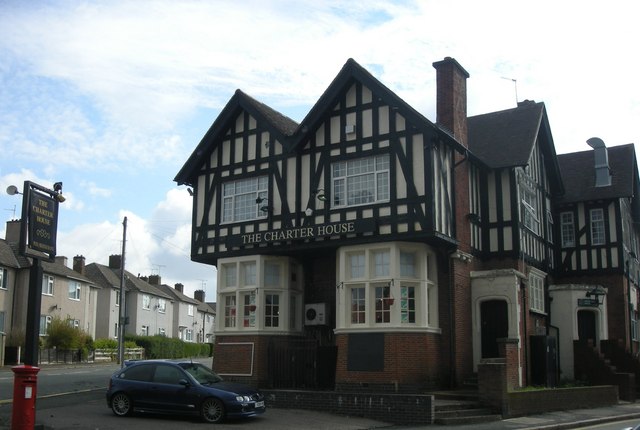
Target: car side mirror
<point>184,382</point>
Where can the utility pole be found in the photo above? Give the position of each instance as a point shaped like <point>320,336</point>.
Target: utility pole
<point>122,316</point>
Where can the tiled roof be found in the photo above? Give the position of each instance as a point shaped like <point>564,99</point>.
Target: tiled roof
<point>506,138</point>
<point>578,174</point>
<point>7,256</point>
<point>177,294</point>
<point>283,123</point>
<point>108,277</point>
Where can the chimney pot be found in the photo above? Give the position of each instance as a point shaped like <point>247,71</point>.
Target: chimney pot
<point>115,261</point>
<point>179,287</point>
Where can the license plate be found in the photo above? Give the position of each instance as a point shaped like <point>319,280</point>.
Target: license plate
<point>260,404</point>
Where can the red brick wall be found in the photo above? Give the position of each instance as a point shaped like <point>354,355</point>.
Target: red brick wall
<point>232,355</point>
<point>411,361</point>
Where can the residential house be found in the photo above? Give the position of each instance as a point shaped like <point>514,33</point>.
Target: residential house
<point>207,315</point>
<point>399,252</point>
<point>148,310</point>
<point>186,321</point>
<point>8,272</point>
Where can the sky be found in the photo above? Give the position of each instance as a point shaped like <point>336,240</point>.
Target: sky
<point>111,97</point>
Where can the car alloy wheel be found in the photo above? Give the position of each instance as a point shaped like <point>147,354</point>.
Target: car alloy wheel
<point>212,410</point>
<point>121,404</point>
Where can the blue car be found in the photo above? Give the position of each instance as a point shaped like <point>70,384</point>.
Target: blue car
<point>180,387</point>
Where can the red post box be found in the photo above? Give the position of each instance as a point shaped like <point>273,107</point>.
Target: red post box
<point>25,386</point>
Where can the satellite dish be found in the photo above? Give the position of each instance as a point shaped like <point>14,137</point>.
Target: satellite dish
<point>12,190</point>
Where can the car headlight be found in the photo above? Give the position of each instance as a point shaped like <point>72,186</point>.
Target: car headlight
<point>243,399</point>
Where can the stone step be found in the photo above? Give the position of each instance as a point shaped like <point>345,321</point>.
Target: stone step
<point>465,420</point>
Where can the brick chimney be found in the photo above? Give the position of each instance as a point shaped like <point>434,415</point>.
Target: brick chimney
<point>199,295</point>
<point>451,108</point>
<point>12,235</point>
<point>78,264</point>
<point>155,279</point>
<point>179,287</point>
<point>115,261</point>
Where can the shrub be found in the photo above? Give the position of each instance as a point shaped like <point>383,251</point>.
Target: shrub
<point>62,335</point>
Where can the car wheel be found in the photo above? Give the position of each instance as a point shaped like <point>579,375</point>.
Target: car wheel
<point>212,410</point>
<point>121,404</point>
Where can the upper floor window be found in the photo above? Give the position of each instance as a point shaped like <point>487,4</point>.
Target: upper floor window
<point>536,291</point>
<point>117,298</point>
<point>3,278</point>
<point>74,290</point>
<point>597,226</point>
<point>162,305</point>
<point>529,198</point>
<point>567,230</point>
<point>47,285</point>
<point>146,301</point>
<point>239,199</point>
<point>190,310</point>
<point>360,181</point>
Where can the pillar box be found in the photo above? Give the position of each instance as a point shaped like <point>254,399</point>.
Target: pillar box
<point>25,384</point>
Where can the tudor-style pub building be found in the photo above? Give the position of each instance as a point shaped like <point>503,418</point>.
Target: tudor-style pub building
<point>370,247</point>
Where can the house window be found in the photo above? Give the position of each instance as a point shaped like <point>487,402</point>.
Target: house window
<point>2,322</point>
<point>398,287</point>
<point>230,311</point>
<point>529,206</point>
<point>73,323</point>
<point>162,306</point>
<point>361,181</point>
<point>3,278</point>
<point>115,330</point>
<point>536,291</point>
<point>356,265</point>
<point>549,226</point>
<point>74,290</point>
<point>239,199</point>
<point>383,304</point>
<point>45,322</point>
<point>188,335</point>
<point>190,310</point>
<point>145,330</point>
<point>272,274</point>
<point>272,310</point>
<point>146,301</point>
<point>117,298</point>
<point>162,331</point>
<point>249,310</point>
<point>597,227</point>
<point>567,230</point>
<point>47,285</point>
<point>248,273</point>
<point>230,275</point>
<point>358,305</point>
<point>407,304</point>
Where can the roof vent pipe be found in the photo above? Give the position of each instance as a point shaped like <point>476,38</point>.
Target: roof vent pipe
<point>601,157</point>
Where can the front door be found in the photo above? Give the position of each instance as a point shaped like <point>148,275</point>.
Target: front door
<point>587,326</point>
<point>495,325</point>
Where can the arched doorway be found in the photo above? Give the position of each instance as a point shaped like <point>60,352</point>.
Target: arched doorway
<point>587,326</point>
<point>494,322</point>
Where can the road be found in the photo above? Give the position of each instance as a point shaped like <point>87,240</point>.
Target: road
<point>73,397</point>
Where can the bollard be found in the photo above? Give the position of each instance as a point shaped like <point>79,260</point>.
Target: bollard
<point>25,385</point>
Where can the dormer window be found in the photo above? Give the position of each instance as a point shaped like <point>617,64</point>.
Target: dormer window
<point>360,181</point>
<point>239,199</point>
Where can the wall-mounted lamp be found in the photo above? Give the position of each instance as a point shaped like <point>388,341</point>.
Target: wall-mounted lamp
<point>264,208</point>
<point>320,194</point>
<point>54,307</point>
<point>598,294</point>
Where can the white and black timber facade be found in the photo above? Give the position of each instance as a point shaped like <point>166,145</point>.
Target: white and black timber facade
<point>369,247</point>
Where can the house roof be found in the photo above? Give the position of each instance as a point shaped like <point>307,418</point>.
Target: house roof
<point>108,277</point>
<point>177,295</point>
<point>59,269</point>
<point>7,256</point>
<point>507,138</point>
<point>291,134</point>
<point>579,175</point>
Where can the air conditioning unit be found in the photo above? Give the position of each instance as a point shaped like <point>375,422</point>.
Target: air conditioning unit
<point>315,314</point>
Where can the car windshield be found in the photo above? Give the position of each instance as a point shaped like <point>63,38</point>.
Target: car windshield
<point>201,373</point>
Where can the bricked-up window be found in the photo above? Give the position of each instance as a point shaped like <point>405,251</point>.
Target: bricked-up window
<point>230,311</point>
<point>360,181</point>
<point>239,199</point>
<point>272,310</point>
<point>597,226</point>
<point>396,287</point>
<point>567,230</point>
<point>536,290</point>
<point>358,305</point>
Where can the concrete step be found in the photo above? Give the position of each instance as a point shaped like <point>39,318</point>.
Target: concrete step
<point>465,420</point>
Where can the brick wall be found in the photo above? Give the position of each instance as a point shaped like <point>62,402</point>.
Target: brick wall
<point>412,362</point>
<point>521,403</point>
<point>391,408</point>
